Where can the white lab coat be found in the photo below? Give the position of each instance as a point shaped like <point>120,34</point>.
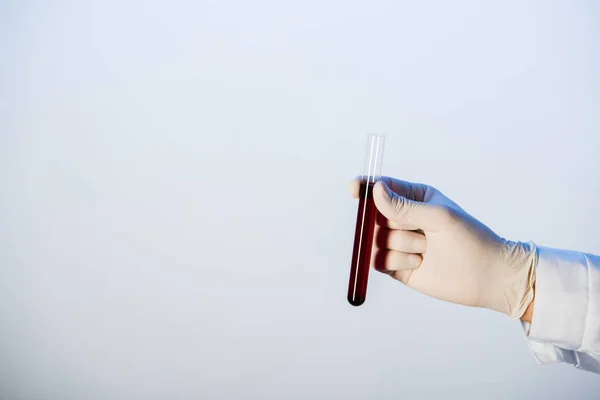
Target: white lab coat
<point>566,312</point>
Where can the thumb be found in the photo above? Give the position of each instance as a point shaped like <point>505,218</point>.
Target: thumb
<point>405,211</point>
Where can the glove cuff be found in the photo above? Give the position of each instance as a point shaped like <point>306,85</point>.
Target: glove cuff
<point>525,280</point>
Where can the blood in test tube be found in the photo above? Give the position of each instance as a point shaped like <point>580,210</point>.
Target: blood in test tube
<point>363,244</point>
<point>365,222</point>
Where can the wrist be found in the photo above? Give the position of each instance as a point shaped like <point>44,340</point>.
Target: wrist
<point>517,288</point>
<point>528,315</point>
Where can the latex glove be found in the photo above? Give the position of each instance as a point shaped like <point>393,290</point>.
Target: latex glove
<point>430,244</point>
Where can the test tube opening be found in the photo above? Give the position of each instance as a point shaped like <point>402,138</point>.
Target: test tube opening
<point>373,157</point>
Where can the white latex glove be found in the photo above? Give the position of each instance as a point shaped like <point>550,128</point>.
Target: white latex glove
<point>432,245</point>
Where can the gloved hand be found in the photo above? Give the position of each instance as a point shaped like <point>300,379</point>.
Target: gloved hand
<point>430,244</point>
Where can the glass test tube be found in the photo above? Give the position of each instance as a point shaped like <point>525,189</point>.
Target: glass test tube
<point>365,221</point>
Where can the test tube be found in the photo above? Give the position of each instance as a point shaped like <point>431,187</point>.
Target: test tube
<point>365,221</point>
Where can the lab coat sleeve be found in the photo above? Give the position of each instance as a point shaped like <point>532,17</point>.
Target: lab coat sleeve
<point>566,312</point>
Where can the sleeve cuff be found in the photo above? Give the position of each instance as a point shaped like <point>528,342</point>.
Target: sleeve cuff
<point>561,299</point>
<point>546,353</point>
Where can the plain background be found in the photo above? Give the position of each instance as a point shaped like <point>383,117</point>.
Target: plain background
<point>174,214</point>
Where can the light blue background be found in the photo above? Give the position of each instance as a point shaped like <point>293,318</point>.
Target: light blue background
<point>174,216</point>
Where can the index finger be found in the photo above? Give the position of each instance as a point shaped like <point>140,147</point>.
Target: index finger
<point>354,189</point>
<point>410,190</point>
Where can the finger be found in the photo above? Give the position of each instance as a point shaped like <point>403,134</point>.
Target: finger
<point>354,187</point>
<point>402,276</point>
<point>406,211</point>
<point>381,220</point>
<point>389,260</point>
<point>410,190</point>
<point>400,240</point>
